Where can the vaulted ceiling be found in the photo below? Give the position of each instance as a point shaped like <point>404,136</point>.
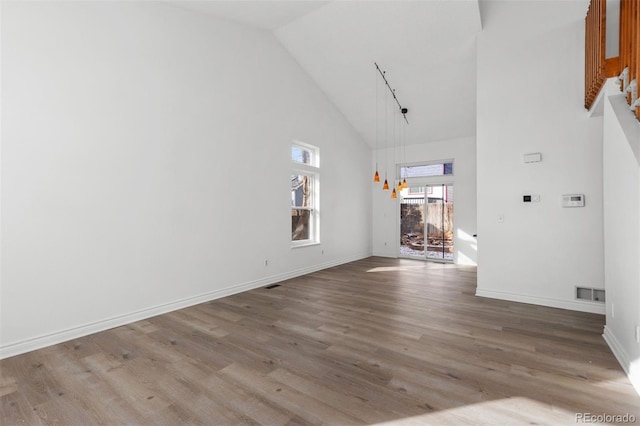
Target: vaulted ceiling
<point>426,47</point>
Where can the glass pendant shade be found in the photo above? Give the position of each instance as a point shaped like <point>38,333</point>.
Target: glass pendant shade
<point>393,194</point>
<point>399,186</point>
<point>404,184</point>
<point>385,186</point>
<point>376,177</point>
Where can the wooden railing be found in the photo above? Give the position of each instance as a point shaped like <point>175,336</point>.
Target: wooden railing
<point>595,31</point>
<point>630,50</point>
<point>627,66</point>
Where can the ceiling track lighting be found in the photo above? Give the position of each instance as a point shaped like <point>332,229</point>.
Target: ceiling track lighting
<point>402,183</point>
<point>393,93</point>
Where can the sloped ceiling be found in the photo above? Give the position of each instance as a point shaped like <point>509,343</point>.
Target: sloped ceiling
<point>426,47</point>
<point>264,14</point>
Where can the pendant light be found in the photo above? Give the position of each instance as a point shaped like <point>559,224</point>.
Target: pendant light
<point>394,194</point>
<point>376,177</point>
<point>399,186</point>
<point>385,186</point>
<point>405,185</point>
<point>396,137</point>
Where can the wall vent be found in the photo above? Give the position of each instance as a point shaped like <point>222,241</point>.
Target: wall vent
<point>590,294</point>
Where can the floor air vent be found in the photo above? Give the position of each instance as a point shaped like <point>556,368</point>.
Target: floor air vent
<point>269,287</point>
<point>591,294</point>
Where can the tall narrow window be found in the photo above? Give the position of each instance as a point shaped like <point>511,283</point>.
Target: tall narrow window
<point>304,195</point>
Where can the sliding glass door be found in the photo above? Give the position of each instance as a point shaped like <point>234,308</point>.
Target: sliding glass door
<point>426,222</point>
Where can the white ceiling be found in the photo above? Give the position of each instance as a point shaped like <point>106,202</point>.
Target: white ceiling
<point>263,14</point>
<point>426,47</point>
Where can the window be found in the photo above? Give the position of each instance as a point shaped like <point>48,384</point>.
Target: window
<point>426,170</point>
<point>303,155</point>
<point>304,195</point>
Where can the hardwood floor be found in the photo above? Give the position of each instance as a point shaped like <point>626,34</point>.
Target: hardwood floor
<point>378,340</point>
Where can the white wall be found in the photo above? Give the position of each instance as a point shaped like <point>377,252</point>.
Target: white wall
<point>145,166</point>
<point>386,224</point>
<point>530,100</point>
<point>622,232</point>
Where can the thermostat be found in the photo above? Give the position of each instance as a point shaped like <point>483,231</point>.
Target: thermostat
<point>532,158</point>
<point>573,200</point>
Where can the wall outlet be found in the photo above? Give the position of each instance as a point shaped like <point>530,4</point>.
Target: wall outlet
<point>500,218</point>
<point>613,311</point>
<point>637,333</point>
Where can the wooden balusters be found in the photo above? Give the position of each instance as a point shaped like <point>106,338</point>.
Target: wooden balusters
<point>597,67</point>
<point>630,50</point>
<point>637,52</point>
<point>595,28</point>
<point>631,42</point>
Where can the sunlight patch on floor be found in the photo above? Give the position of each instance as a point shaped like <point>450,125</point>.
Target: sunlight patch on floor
<point>517,410</point>
<point>395,268</point>
<point>420,266</point>
<point>619,383</point>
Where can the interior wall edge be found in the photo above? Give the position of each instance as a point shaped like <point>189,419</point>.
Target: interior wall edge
<point>632,369</point>
<point>383,254</point>
<point>61,336</point>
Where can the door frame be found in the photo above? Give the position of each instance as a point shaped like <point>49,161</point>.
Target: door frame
<point>426,181</point>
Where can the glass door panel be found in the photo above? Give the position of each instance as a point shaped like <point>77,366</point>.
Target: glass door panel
<point>426,222</point>
<point>439,222</point>
<point>412,222</point>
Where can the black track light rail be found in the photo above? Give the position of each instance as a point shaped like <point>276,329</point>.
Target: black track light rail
<point>393,93</point>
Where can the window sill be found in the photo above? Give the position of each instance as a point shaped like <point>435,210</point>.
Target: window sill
<point>309,244</point>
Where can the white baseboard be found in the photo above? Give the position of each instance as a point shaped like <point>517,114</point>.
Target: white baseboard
<point>632,368</point>
<point>591,307</point>
<point>28,345</point>
<point>384,254</point>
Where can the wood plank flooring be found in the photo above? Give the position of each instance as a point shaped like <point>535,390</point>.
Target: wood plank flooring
<point>375,341</point>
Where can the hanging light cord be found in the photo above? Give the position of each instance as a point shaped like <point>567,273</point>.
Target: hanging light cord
<point>386,153</point>
<point>393,92</point>
<point>377,129</point>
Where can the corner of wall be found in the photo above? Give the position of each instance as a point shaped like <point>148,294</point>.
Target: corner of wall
<point>621,183</point>
<point>630,366</point>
